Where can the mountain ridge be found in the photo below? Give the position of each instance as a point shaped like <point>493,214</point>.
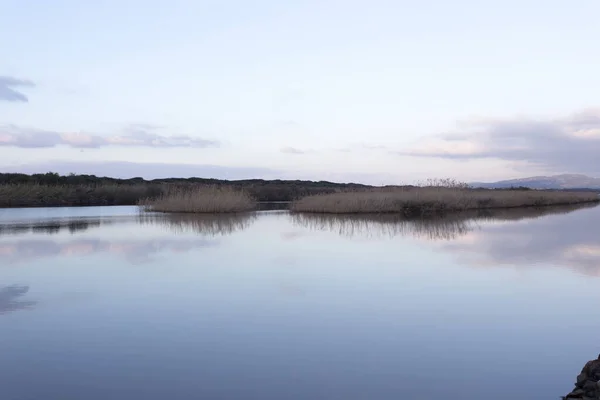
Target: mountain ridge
<point>561,181</point>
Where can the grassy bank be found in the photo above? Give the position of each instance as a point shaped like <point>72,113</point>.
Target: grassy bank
<point>203,199</point>
<point>435,200</point>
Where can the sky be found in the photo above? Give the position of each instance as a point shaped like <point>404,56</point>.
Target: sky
<point>379,92</point>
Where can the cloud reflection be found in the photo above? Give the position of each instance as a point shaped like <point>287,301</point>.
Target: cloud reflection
<point>568,241</point>
<point>135,251</point>
<point>10,299</point>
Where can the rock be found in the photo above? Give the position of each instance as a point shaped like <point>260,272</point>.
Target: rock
<point>575,394</point>
<point>581,378</point>
<point>587,385</point>
<point>590,386</point>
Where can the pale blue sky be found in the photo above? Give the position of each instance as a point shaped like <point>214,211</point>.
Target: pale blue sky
<point>339,90</point>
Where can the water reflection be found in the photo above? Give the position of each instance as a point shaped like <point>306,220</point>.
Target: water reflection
<point>10,299</point>
<point>73,226</point>
<point>134,250</point>
<point>382,225</point>
<point>566,241</point>
<point>450,227</point>
<point>203,224</point>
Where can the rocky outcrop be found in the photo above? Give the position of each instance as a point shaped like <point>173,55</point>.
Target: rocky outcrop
<point>587,386</point>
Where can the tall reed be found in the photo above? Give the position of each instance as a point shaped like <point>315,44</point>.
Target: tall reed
<point>433,200</point>
<point>200,199</point>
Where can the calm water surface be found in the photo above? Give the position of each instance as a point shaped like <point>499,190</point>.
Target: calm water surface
<point>103,303</point>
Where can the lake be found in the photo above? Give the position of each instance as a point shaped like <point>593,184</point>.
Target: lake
<point>106,303</point>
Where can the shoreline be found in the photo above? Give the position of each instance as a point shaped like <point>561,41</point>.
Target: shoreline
<point>451,211</point>
<point>281,205</point>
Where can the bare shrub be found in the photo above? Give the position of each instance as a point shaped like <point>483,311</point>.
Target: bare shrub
<point>444,183</point>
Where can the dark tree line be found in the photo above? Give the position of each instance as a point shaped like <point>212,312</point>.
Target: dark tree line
<point>52,189</point>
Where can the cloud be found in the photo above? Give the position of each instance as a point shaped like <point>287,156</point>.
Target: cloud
<point>289,124</point>
<point>7,88</point>
<point>294,150</point>
<point>550,143</point>
<point>134,135</point>
<point>362,146</point>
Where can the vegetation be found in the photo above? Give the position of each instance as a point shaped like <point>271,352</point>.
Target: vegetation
<point>48,195</point>
<point>431,200</point>
<point>51,189</point>
<point>200,199</point>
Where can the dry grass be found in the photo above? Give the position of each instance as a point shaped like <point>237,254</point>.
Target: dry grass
<point>435,200</point>
<point>448,227</point>
<point>200,199</point>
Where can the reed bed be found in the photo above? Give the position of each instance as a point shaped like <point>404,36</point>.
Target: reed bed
<point>421,201</point>
<point>200,199</point>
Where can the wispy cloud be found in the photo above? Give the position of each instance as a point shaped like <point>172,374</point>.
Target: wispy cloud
<point>294,150</point>
<point>569,143</point>
<point>8,91</point>
<point>362,146</point>
<point>135,135</point>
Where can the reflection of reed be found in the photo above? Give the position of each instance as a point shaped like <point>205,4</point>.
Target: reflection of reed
<point>204,224</point>
<point>352,225</point>
<point>515,214</point>
<point>49,227</point>
<point>443,228</point>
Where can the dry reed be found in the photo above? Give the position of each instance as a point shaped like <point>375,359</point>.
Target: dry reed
<point>200,199</point>
<point>435,200</point>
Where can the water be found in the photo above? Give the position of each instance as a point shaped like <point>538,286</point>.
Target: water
<point>102,303</point>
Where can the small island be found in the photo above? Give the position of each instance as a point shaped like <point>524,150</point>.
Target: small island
<point>432,200</point>
<point>208,199</point>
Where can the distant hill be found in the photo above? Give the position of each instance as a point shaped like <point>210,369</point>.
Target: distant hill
<point>564,181</point>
